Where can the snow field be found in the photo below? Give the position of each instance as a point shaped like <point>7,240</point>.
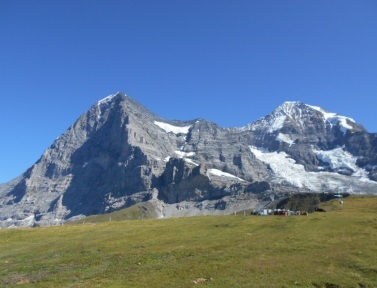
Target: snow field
<point>171,128</point>
<point>286,169</point>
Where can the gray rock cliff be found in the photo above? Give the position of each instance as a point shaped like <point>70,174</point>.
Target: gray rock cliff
<point>119,153</point>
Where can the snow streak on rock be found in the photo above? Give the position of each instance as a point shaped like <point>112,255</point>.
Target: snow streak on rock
<point>106,99</point>
<point>220,173</point>
<point>285,138</point>
<point>184,154</point>
<point>335,119</point>
<point>171,128</point>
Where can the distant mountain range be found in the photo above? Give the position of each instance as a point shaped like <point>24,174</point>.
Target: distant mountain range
<point>119,153</point>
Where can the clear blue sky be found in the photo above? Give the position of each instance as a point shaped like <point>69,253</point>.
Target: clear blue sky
<point>230,62</point>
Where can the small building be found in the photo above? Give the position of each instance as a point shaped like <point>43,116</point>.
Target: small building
<point>281,212</point>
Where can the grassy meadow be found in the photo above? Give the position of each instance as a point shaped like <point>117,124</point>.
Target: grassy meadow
<point>337,248</point>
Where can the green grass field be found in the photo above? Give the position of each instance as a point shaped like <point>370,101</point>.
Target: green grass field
<point>332,249</point>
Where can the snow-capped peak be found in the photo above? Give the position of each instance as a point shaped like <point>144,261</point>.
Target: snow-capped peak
<point>289,107</point>
<point>290,110</point>
<point>300,113</point>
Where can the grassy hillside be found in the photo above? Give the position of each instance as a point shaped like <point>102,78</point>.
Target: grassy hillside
<point>332,249</point>
<point>140,211</point>
<point>305,201</point>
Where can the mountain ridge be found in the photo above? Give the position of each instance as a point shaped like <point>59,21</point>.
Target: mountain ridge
<point>119,153</point>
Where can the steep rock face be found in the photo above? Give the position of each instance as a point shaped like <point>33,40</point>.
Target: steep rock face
<point>115,155</point>
<point>84,168</point>
<point>364,146</point>
<point>119,153</point>
<point>182,182</point>
<point>223,149</point>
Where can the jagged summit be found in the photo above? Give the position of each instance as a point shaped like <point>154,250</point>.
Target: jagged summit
<point>290,107</point>
<point>131,106</point>
<point>111,98</point>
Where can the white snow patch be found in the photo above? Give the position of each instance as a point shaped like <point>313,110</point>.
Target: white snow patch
<point>339,158</point>
<point>283,166</point>
<point>285,138</point>
<point>29,220</point>
<point>286,169</point>
<point>343,123</point>
<point>171,128</point>
<point>223,174</point>
<point>103,101</point>
<point>190,161</point>
<point>335,119</point>
<point>278,123</point>
<point>31,217</point>
<point>271,125</point>
<point>106,99</point>
<point>182,154</point>
<point>167,159</point>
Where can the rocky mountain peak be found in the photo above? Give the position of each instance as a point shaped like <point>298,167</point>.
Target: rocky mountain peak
<point>112,97</point>
<point>298,117</point>
<point>295,114</point>
<point>120,153</point>
<point>290,108</point>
